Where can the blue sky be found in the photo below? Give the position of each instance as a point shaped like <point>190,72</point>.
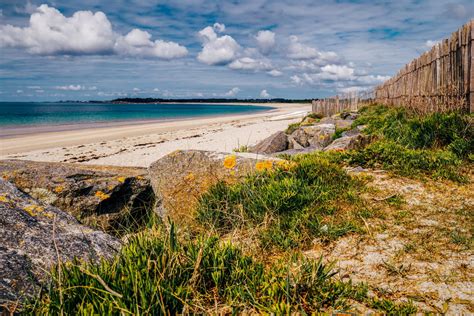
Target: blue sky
<point>83,50</point>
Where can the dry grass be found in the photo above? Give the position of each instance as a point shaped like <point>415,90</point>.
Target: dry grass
<point>420,245</point>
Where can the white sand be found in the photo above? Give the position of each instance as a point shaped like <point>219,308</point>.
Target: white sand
<point>142,144</point>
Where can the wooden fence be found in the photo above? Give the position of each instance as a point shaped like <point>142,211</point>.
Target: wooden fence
<point>342,103</point>
<point>440,79</point>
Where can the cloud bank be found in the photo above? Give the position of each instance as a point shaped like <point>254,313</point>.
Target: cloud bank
<point>84,33</point>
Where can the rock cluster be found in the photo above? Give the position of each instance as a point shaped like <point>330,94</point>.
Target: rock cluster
<point>313,135</point>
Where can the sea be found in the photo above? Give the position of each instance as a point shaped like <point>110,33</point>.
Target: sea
<point>18,114</point>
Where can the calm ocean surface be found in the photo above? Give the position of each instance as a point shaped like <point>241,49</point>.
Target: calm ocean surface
<point>44,113</point>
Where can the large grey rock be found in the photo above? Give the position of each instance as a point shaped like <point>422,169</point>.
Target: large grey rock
<point>350,140</point>
<point>35,236</point>
<point>317,136</point>
<point>180,178</point>
<point>272,144</point>
<point>111,198</point>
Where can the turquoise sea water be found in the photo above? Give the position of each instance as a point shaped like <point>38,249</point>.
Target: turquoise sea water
<point>45,113</point>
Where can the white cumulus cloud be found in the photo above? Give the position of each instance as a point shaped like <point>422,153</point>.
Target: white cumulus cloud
<point>296,79</point>
<point>232,92</point>
<point>84,33</point>
<point>217,49</point>
<point>265,41</point>
<point>337,72</point>
<point>139,43</point>
<point>297,50</point>
<point>71,87</point>
<point>264,94</point>
<point>248,63</point>
<point>275,73</point>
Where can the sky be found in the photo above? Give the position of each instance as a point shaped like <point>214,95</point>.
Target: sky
<point>296,49</point>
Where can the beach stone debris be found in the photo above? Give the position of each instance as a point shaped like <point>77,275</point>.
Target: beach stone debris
<point>272,144</point>
<point>317,136</point>
<point>352,139</point>
<point>337,121</point>
<point>110,198</point>
<point>34,236</point>
<point>180,178</point>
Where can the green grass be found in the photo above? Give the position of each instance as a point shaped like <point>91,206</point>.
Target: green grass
<point>291,128</point>
<point>160,272</point>
<point>388,155</point>
<point>288,208</point>
<point>434,145</point>
<point>242,149</point>
<point>338,133</point>
<point>452,131</point>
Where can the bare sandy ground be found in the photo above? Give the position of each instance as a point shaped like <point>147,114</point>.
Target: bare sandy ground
<point>141,144</point>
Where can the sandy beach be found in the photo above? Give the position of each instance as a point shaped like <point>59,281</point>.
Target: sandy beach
<point>141,143</point>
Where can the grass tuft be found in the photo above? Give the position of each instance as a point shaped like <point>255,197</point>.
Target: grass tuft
<point>161,272</point>
<point>287,207</point>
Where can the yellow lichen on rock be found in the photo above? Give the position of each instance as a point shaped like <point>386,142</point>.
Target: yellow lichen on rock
<point>33,209</point>
<point>59,189</point>
<point>121,179</point>
<point>101,195</point>
<point>4,199</point>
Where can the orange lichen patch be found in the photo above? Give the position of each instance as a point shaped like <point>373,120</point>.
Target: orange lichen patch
<point>264,165</point>
<point>230,161</point>
<point>4,199</point>
<point>34,210</point>
<point>59,189</point>
<point>140,178</point>
<point>121,179</point>
<point>101,195</point>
